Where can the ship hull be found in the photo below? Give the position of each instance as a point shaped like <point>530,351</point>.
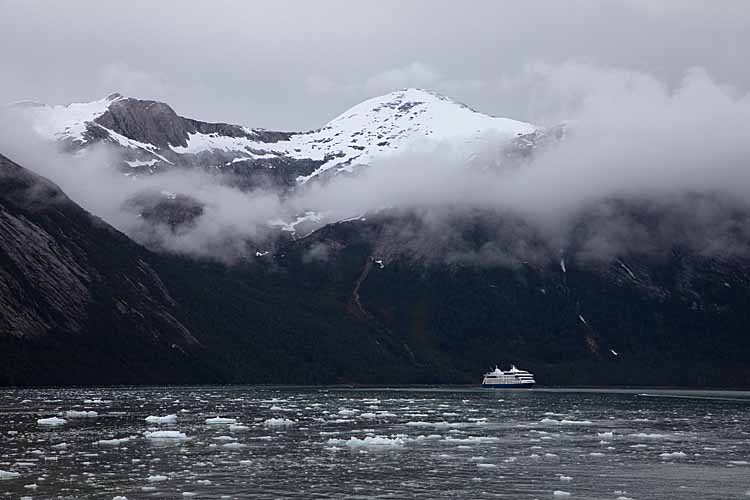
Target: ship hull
<point>507,386</point>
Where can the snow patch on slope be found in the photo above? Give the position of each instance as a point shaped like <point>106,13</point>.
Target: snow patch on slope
<point>68,121</point>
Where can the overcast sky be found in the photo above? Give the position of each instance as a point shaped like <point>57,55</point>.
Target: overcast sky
<point>295,64</point>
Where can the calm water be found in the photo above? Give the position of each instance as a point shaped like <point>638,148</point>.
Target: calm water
<point>342,443</point>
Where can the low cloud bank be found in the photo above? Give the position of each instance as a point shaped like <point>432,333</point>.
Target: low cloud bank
<point>634,147</point>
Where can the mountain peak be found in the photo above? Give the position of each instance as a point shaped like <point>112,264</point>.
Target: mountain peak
<point>401,100</point>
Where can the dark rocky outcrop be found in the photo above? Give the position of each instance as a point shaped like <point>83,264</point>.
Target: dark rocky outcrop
<point>156,123</point>
<point>77,298</point>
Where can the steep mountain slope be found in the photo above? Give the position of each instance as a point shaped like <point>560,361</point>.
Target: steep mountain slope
<point>80,303</point>
<point>74,288</point>
<point>670,319</point>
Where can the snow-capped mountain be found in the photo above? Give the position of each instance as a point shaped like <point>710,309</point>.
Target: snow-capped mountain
<point>152,137</point>
<point>374,128</point>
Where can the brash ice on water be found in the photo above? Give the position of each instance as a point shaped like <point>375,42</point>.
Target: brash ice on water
<point>245,442</point>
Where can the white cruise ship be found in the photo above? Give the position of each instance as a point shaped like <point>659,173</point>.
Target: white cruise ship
<point>510,379</point>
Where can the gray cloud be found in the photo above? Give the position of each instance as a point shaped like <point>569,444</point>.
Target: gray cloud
<point>679,150</point>
<point>269,64</point>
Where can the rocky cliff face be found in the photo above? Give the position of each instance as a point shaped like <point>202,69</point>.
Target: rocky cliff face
<point>76,296</point>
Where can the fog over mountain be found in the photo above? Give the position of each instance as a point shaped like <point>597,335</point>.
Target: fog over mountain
<point>627,136</point>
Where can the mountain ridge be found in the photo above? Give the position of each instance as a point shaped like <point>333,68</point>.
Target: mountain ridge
<point>151,136</point>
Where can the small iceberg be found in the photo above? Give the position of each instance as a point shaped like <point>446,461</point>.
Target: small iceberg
<point>167,419</point>
<point>165,435</point>
<point>5,474</point>
<point>114,442</point>
<point>51,421</point>
<point>674,454</point>
<point>81,414</point>
<point>220,421</point>
<point>371,442</point>
<point>278,422</point>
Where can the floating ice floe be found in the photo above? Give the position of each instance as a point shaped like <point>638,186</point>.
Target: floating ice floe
<point>674,454</point>
<point>552,421</point>
<point>422,437</point>
<point>81,414</point>
<point>472,440</point>
<point>156,478</point>
<point>278,422</point>
<point>644,435</point>
<point>398,441</point>
<point>561,493</point>
<point>5,474</point>
<point>114,442</point>
<point>167,419</point>
<point>165,435</point>
<point>220,421</point>
<point>238,427</point>
<point>51,421</point>
<point>441,424</point>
